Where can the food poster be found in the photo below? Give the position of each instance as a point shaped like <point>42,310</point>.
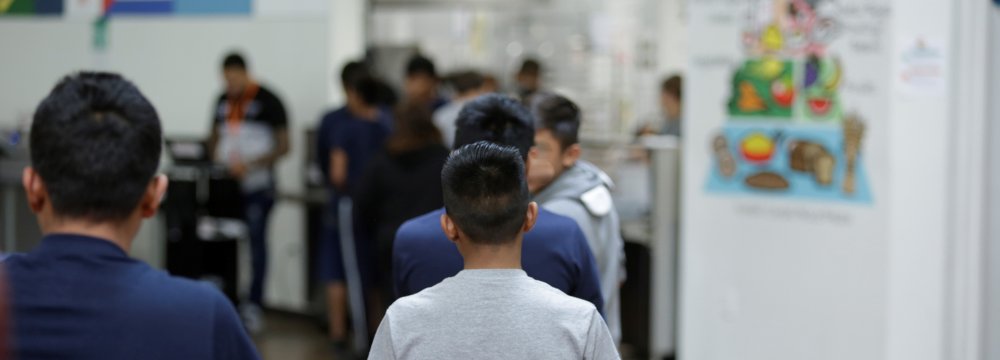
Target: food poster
<point>787,131</point>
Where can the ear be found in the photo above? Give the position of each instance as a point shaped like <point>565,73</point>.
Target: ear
<point>36,193</point>
<point>450,230</point>
<point>571,155</point>
<point>530,217</point>
<point>154,196</point>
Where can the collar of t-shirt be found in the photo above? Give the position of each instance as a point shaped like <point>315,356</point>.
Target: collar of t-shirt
<point>74,244</point>
<point>491,274</point>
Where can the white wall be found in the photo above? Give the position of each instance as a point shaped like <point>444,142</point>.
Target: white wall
<point>993,235</point>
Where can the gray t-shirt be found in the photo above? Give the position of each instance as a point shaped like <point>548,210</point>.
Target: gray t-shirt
<point>492,314</point>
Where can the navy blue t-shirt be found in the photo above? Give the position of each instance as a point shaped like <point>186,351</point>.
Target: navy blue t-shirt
<point>359,138</point>
<point>78,297</point>
<point>555,252</point>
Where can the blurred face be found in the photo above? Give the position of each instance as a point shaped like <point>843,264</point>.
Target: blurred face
<point>236,80</point>
<point>670,104</point>
<point>420,87</point>
<point>528,81</point>
<point>549,159</point>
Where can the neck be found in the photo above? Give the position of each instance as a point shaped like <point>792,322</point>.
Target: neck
<point>507,256</point>
<point>115,233</point>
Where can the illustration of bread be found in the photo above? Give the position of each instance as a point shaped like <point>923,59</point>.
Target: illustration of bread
<point>727,164</point>
<point>767,181</point>
<point>854,132</point>
<point>813,158</point>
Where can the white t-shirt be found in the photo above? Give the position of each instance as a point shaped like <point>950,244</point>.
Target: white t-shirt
<point>492,314</point>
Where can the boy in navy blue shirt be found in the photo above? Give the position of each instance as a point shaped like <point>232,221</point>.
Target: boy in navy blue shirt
<point>554,252</point>
<point>95,149</point>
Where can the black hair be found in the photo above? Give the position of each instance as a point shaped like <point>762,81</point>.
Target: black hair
<point>352,72</point>
<point>466,81</point>
<point>673,86</point>
<point>420,65</point>
<point>95,142</point>
<point>561,117</point>
<point>530,67</point>
<point>498,119</point>
<point>486,192</point>
<point>356,76</point>
<point>234,60</point>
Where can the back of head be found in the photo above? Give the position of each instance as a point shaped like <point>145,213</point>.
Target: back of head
<point>353,72</point>
<point>95,142</point>
<point>356,77</point>
<point>414,129</point>
<point>530,67</point>
<point>466,82</point>
<point>559,116</point>
<point>234,61</point>
<point>498,119</point>
<point>672,85</point>
<point>486,192</point>
<point>420,65</point>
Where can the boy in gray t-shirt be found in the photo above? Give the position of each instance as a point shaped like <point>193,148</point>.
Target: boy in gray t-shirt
<point>491,309</point>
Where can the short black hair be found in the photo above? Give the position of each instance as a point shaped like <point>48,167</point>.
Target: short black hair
<point>498,119</point>
<point>234,60</point>
<point>530,66</point>
<point>466,81</point>
<point>420,65</point>
<point>486,192</point>
<point>352,72</point>
<point>96,142</point>
<point>561,117</point>
<point>673,86</point>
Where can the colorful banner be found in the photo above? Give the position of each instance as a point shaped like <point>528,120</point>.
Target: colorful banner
<point>31,7</point>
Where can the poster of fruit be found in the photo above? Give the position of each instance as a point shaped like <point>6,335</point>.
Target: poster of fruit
<point>787,132</point>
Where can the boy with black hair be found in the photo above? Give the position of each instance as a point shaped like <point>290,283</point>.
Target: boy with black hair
<point>249,135</point>
<point>95,149</point>
<point>347,139</point>
<point>555,252</point>
<point>491,309</point>
<point>579,190</point>
<point>421,83</point>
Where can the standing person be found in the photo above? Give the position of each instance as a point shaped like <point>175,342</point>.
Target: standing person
<point>347,139</point>
<point>421,83</point>
<point>249,135</point>
<point>555,252</point>
<point>671,102</point>
<point>402,182</point>
<point>95,148</point>
<point>529,80</point>
<point>491,309</point>
<point>582,192</point>
<point>468,85</point>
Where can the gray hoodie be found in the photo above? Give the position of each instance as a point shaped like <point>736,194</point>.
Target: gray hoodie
<point>583,193</point>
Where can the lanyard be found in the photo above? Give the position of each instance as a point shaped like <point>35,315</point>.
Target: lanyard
<point>238,108</point>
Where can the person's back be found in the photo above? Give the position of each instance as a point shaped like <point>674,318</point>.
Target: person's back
<point>495,314</point>
<point>84,298</point>
<point>554,252</point>
<point>95,148</point>
<point>491,309</point>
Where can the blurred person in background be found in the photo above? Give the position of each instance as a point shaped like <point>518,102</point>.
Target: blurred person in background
<point>579,190</point>
<point>421,83</point>
<point>402,181</point>
<point>671,102</point>
<point>346,141</point>
<point>490,84</point>
<point>528,80</point>
<point>468,85</point>
<point>95,149</point>
<point>491,309</point>
<point>555,252</point>
<point>249,135</point>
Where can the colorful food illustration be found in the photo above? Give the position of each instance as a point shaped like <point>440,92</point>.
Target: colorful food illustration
<point>812,158</point>
<point>724,158</point>
<point>854,131</point>
<point>767,180</point>
<point>819,106</point>
<point>783,93</point>
<point>749,100</point>
<point>757,148</point>
<point>764,87</point>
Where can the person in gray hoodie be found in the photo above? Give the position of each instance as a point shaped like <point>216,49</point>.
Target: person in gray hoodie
<point>579,190</point>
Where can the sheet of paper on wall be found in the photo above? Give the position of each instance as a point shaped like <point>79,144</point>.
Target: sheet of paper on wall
<point>921,65</point>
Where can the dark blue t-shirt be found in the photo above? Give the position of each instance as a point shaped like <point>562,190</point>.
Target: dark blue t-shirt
<point>554,252</point>
<point>360,139</point>
<point>78,297</point>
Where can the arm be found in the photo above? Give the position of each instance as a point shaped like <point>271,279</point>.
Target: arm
<point>588,285</point>
<point>599,346</point>
<point>280,149</point>
<point>338,168</point>
<point>382,346</point>
<point>213,141</point>
<point>230,338</point>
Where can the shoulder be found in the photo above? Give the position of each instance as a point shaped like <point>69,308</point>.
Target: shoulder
<point>550,223</point>
<point>420,228</point>
<point>556,300</point>
<point>265,93</point>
